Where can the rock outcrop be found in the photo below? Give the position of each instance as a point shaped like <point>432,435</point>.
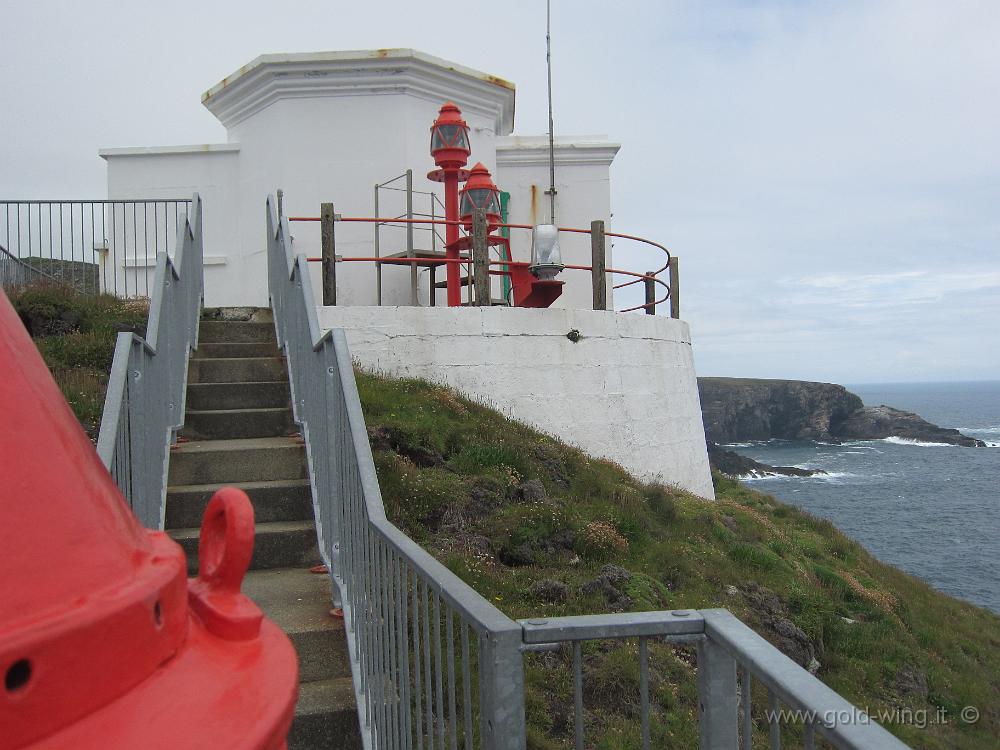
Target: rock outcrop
<point>877,422</point>
<point>735,465</point>
<point>735,409</point>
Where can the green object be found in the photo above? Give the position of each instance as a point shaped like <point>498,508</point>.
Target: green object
<point>505,232</point>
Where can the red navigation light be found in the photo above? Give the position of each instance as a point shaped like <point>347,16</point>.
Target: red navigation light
<point>450,138</point>
<point>480,192</point>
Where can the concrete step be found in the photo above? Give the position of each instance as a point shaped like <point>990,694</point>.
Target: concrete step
<point>266,349</point>
<point>235,332</point>
<point>217,424</point>
<point>279,544</point>
<point>231,370</point>
<point>257,314</point>
<point>326,716</point>
<point>282,500</point>
<point>260,395</point>
<point>299,603</point>
<point>243,460</point>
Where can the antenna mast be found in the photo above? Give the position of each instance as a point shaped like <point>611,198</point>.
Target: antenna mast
<point>552,148</point>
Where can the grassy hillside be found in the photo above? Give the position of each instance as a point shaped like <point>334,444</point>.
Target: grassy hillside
<point>76,335</point>
<point>541,529</point>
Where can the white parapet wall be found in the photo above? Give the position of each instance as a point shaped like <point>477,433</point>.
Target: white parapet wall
<point>624,391</point>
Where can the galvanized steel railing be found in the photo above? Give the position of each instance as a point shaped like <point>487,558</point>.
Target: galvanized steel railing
<point>730,657</point>
<point>144,405</point>
<point>95,246</point>
<point>418,683</point>
<point>433,662</point>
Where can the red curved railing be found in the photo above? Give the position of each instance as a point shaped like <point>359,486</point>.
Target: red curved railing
<point>639,277</point>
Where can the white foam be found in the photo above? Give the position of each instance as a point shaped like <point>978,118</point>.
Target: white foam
<point>919,443</point>
<point>990,430</point>
<point>823,477</point>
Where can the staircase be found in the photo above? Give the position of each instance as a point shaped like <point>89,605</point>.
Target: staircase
<point>240,433</point>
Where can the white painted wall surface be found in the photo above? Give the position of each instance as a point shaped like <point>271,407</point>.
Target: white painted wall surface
<point>336,149</point>
<point>626,391</point>
<point>211,170</point>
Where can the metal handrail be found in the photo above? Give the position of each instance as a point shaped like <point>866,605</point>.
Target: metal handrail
<point>94,245</point>
<point>430,657</point>
<point>730,656</point>
<point>652,276</point>
<point>144,403</point>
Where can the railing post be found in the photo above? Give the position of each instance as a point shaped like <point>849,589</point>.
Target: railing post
<point>329,254</point>
<point>718,720</point>
<point>650,284</point>
<point>480,258</point>
<point>598,262</point>
<point>414,298</point>
<point>675,289</point>
<point>501,674</point>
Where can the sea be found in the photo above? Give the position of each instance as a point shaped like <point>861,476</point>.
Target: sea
<point>931,509</point>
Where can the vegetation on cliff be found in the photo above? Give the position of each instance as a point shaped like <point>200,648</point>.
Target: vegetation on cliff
<point>541,529</point>
<point>75,334</point>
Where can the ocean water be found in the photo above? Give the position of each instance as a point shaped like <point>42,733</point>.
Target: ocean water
<point>930,509</point>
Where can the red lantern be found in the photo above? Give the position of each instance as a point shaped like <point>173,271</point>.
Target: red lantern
<point>450,138</point>
<point>480,192</point>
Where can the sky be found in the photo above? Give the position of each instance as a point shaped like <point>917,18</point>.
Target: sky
<point>828,173</point>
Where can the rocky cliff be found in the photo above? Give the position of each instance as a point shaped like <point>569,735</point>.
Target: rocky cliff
<point>735,409</point>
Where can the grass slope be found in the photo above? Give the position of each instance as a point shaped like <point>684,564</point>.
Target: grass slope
<point>542,529</point>
<point>75,334</point>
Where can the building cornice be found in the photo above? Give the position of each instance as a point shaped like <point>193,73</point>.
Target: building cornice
<point>529,151</point>
<point>270,78</point>
<point>200,148</point>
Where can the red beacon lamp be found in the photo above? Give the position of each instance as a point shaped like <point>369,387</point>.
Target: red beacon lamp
<point>450,149</point>
<point>480,193</point>
<point>104,641</point>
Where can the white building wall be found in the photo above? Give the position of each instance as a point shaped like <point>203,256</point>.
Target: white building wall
<point>626,391</point>
<point>211,170</point>
<point>335,149</point>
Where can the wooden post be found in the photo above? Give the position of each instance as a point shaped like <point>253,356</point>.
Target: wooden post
<point>329,251</point>
<point>650,284</point>
<point>480,258</point>
<point>675,288</point>
<point>598,262</point>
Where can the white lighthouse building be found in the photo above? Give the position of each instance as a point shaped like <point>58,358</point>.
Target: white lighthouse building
<point>352,129</point>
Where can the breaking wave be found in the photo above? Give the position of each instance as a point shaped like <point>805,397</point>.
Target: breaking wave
<point>921,443</point>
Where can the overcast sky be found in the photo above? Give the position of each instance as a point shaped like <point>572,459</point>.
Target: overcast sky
<point>828,173</point>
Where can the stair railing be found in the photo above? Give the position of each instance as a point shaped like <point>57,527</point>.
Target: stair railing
<point>144,404</point>
<point>434,663</point>
<point>431,659</point>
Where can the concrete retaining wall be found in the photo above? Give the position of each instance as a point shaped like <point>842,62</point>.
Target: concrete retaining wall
<point>625,391</point>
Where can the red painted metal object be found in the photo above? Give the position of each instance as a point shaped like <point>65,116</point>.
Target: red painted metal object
<point>480,192</point>
<point>103,640</point>
<point>450,149</point>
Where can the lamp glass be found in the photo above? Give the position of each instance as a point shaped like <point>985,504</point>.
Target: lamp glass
<point>546,258</point>
<point>449,136</point>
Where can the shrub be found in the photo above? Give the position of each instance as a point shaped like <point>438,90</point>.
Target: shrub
<point>599,540</point>
<point>662,502</point>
